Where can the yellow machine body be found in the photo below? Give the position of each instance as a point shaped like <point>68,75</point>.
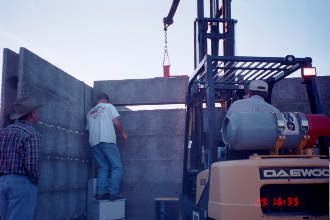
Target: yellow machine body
<point>235,186</point>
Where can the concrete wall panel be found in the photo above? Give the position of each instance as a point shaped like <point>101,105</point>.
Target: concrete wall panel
<point>61,94</point>
<point>152,158</point>
<point>291,95</point>
<point>323,83</point>
<point>145,91</point>
<point>59,205</point>
<point>9,85</point>
<point>290,91</point>
<point>156,122</point>
<point>64,144</point>
<point>151,147</point>
<point>64,147</point>
<point>60,173</point>
<point>145,180</point>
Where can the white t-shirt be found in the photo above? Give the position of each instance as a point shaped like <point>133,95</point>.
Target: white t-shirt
<point>100,125</point>
<point>253,104</point>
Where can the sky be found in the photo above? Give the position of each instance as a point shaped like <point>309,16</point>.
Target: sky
<point>113,40</point>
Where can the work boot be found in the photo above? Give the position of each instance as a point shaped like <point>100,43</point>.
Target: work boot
<point>115,197</point>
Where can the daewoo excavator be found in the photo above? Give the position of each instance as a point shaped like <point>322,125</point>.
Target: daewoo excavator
<point>248,165</point>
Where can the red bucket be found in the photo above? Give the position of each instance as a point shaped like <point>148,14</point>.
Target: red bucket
<point>166,69</point>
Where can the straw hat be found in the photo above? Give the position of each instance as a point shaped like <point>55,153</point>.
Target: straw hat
<point>24,106</point>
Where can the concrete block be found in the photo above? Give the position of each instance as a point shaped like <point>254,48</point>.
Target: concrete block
<point>144,91</point>
<point>9,85</point>
<point>104,209</point>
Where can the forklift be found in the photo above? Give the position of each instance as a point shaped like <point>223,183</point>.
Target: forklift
<point>227,172</point>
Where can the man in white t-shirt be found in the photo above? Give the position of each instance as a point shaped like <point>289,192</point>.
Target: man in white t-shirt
<point>101,122</point>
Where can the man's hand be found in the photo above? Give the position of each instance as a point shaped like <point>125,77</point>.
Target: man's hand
<point>124,136</point>
<point>120,129</point>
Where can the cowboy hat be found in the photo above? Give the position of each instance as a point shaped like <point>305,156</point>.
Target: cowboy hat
<point>23,106</point>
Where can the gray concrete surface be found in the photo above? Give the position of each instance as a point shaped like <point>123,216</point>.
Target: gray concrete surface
<point>152,158</point>
<point>291,95</point>
<point>64,148</point>
<point>9,85</point>
<point>170,90</point>
<point>323,83</point>
<point>61,94</point>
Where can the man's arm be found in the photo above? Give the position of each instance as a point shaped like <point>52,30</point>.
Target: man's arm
<point>120,129</point>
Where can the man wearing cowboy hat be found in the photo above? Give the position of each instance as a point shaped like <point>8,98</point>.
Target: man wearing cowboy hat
<point>19,162</point>
<point>255,100</point>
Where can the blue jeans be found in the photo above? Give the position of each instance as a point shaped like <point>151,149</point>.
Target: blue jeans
<point>18,198</point>
<point>107,157</point>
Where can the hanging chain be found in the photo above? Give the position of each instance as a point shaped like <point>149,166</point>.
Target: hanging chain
<point>165,47</point>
